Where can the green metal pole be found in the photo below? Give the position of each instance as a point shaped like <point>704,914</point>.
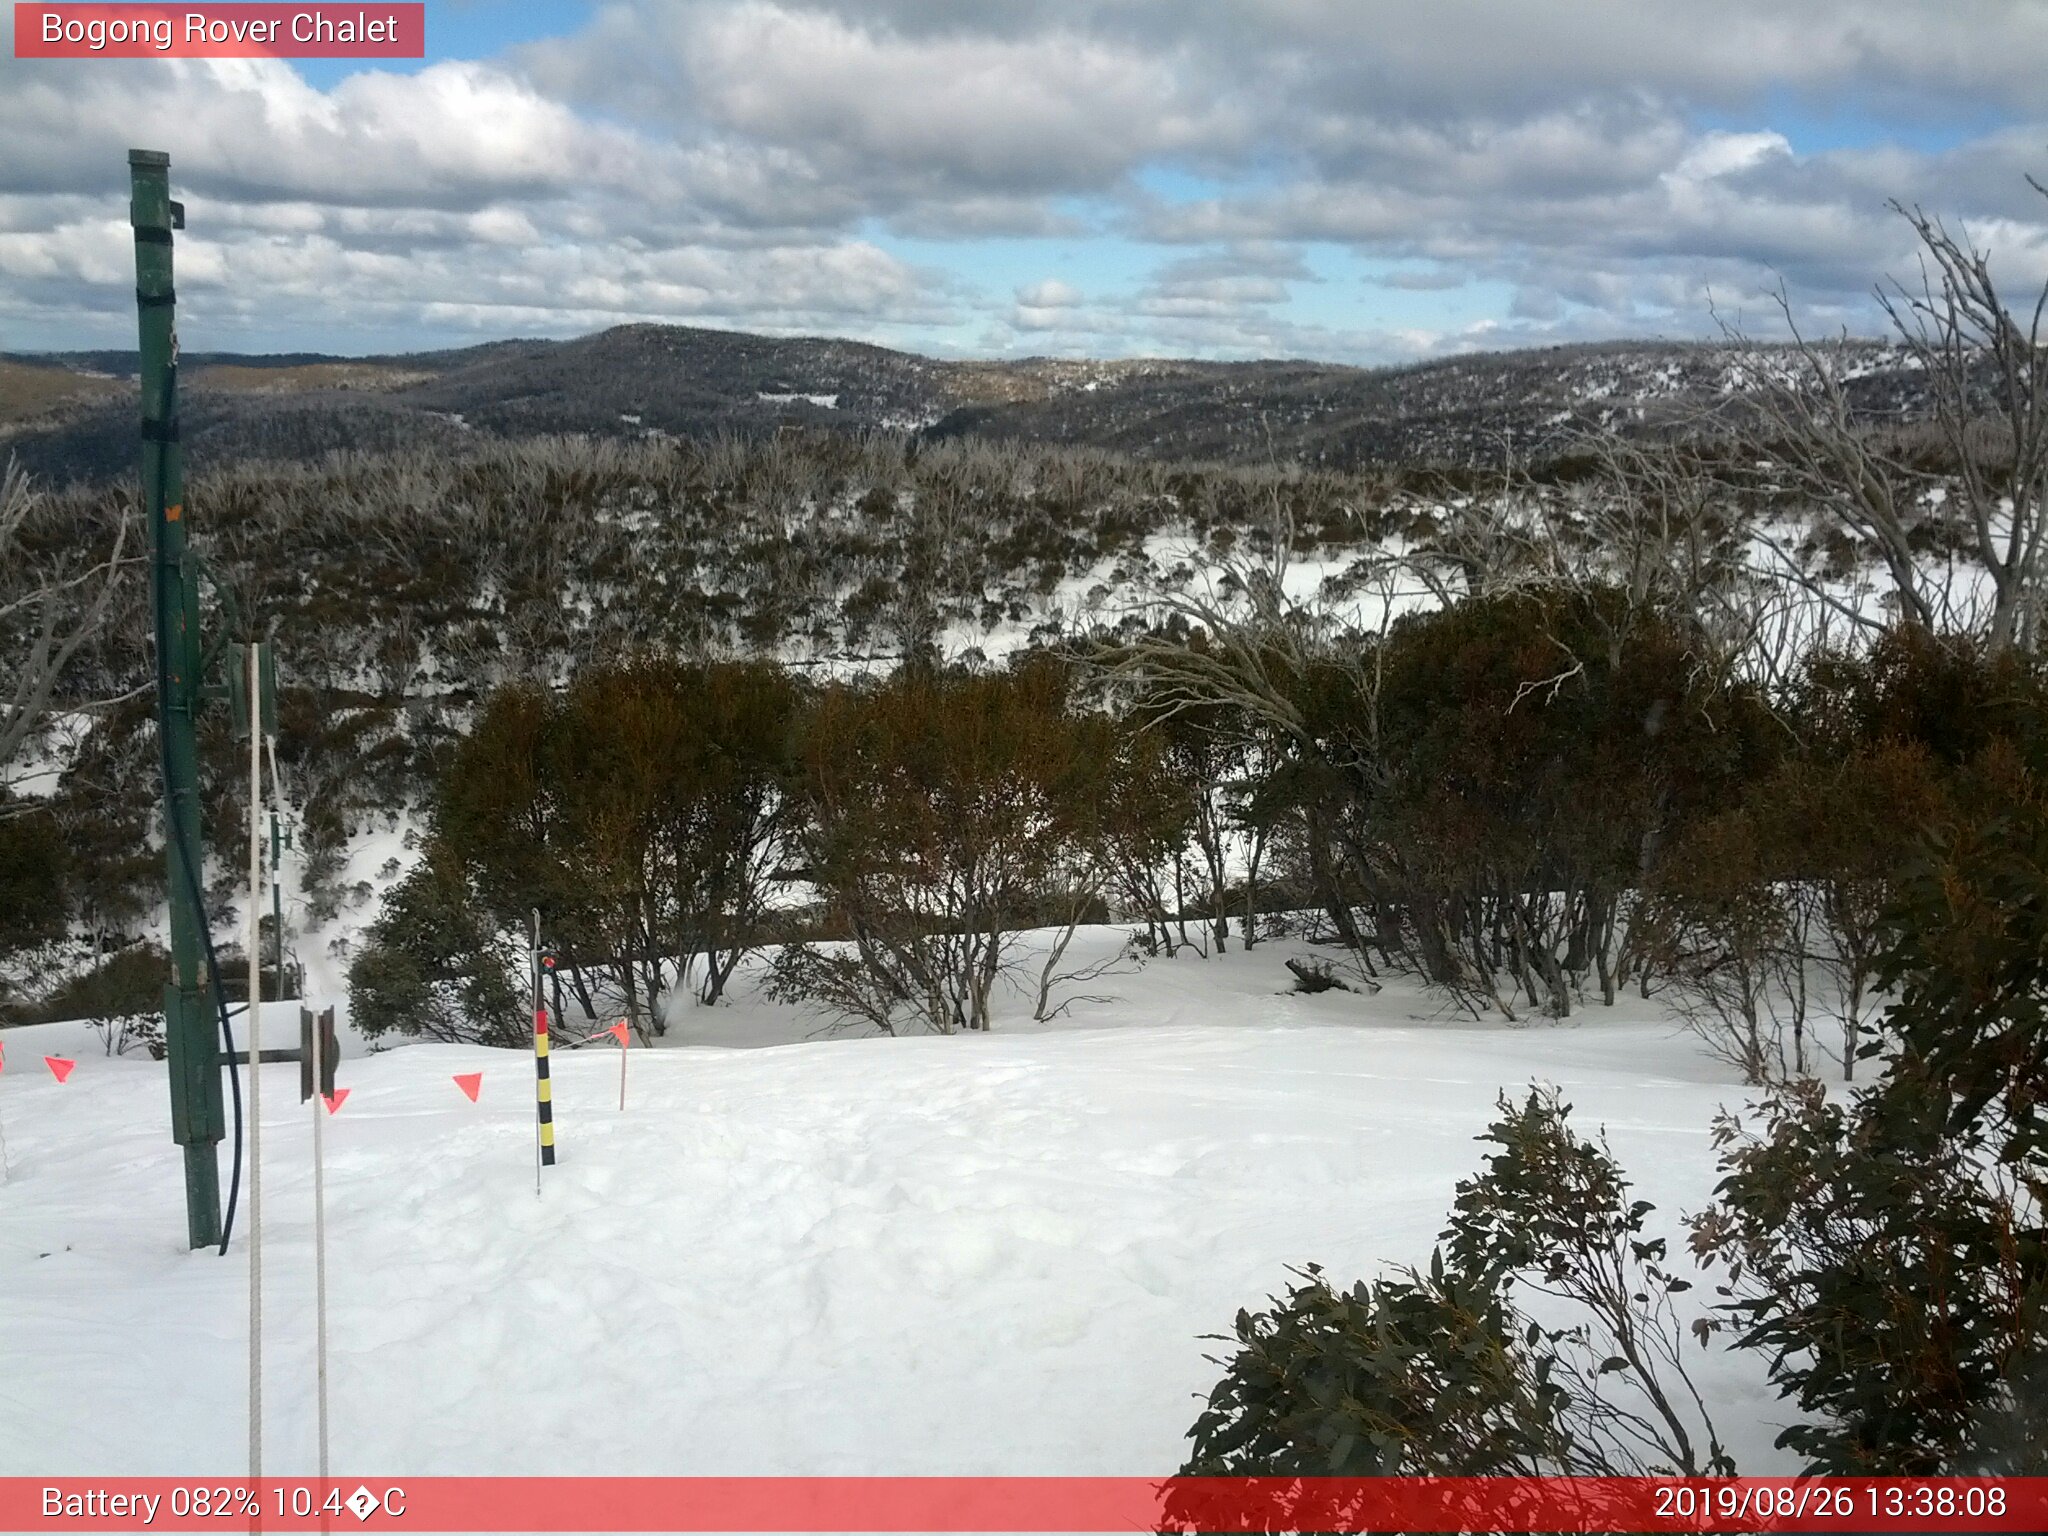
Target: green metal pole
<point>190,1029</point>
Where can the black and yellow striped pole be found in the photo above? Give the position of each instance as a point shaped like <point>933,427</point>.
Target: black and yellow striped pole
<point>544,1127</point>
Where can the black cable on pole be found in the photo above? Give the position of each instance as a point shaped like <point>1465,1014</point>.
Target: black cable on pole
<point>227,1034</point>
<point>186,862</point>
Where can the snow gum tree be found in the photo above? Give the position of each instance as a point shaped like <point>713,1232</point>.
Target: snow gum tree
<point>643,812</point>
<point>434,967</point>
<point>1760,913</point>
<point>1145,819</point>
<point>1478,791</point>
<point>941,809</point>
<point>1527,749</point>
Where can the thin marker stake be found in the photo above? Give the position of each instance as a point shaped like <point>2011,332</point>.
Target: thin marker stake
<point>320,1113</point>
<point>544,1125</point>
<point>253,655</point>
<point>545,1090</point>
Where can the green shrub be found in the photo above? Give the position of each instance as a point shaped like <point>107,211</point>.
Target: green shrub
<point>122,998</point>
<point>1414,1375</point>
<point>1889,1253</point>
<point>1442,1374</point>
<point>430,967</point>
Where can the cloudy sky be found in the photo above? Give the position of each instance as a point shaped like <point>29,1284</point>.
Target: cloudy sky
<point>1360,180</point>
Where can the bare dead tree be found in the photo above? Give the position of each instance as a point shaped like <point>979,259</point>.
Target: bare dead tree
<point>1984,363</point>
<point>1983,367</point>
<point>1256,637</point>
<point>48,610</point>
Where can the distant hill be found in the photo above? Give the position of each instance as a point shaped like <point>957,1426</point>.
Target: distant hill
<point>70,416</point>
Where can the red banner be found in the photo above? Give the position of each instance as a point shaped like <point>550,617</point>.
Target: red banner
<point>152,31</point>
<point>1005,1504</point>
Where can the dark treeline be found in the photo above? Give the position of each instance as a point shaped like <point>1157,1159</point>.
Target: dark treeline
<point>1531,801</point>
<point>402,589</point>
<point>1589,762</point>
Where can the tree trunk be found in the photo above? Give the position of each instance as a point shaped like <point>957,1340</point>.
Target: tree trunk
<point>717,972</point>
<point>580,985</point>
<point>1045,974</point>
<point>1251,890</point>
<point>1324,880</point>
<point>625,963</point>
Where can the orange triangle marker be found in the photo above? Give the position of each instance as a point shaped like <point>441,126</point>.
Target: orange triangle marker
<point>59,1067</point>
<point>470,1083</point>
<point>334,1099</point>
<point>618,1033</point>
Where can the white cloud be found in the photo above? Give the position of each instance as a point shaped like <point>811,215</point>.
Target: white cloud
<point>752,162</point>
<point>1721,154</point>
<point>1051,293</point>
<point>1060,109</point>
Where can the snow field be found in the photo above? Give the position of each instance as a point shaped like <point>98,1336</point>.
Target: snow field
<point>976,1254</point>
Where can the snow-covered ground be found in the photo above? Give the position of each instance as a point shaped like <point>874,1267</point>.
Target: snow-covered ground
<point>992,1253</point>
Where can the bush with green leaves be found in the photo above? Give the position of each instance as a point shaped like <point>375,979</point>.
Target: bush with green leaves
<point>431,967</point>
<point>122,998</point>
<point>1884,1268</point>
<point>1889,1252</point>
<point>1414,1374</point>
<point>1444,1372</point>
<point>34,899</point>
